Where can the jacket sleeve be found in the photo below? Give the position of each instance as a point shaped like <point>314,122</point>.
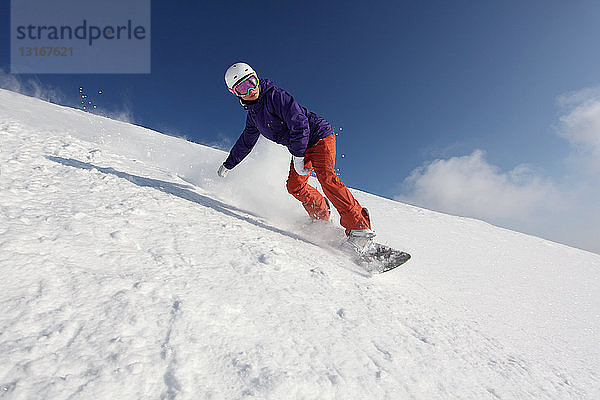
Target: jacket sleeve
<point>244,144</point>
<point>296,120</point>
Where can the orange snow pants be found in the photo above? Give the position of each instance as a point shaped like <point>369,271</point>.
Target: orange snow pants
<point>321,158</point>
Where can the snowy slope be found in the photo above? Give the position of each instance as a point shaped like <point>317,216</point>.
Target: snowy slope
<point>130,271</point>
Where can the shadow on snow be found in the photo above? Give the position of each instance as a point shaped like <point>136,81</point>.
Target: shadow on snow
<point>183,191</point>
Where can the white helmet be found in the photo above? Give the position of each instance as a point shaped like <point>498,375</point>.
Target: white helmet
<point>236,72</point>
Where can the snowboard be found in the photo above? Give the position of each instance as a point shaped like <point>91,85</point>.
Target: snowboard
<point>379,258</point>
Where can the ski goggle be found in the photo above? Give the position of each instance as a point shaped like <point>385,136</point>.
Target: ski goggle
<point>243,87</point>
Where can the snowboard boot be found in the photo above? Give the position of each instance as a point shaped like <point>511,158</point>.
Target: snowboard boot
<point>358,241</point>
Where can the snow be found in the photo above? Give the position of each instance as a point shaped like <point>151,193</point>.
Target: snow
<point>130,270</point>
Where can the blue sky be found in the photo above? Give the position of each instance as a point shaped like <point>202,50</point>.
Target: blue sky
<point>483,85</point>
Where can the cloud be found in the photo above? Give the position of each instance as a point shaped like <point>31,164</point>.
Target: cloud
<point>581,127</point>
<point>563,208</point>
<point>471,186</point>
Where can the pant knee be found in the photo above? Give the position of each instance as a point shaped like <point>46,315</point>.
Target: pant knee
<point>328,179</point>
<point>293,186</point>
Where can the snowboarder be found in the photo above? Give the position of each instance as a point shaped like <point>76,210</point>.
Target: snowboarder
<point>275,114</point>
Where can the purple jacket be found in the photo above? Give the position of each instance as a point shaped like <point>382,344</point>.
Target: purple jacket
<point>278,117</point>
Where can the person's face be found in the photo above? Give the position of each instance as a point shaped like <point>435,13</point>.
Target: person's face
<point>253,95</point>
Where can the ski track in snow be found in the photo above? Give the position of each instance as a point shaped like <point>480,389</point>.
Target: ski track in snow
<point>121,280</point>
